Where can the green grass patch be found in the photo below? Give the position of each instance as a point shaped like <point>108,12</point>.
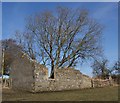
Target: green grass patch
<point>94,94</point>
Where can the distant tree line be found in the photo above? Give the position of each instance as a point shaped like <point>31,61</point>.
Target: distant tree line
<point>10,49</point>
<point>102,71</point>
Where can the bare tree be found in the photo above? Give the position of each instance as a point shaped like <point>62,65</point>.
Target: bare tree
<point>10,52</point>
<point>116,68</point>
<point>100,68</point>
<point>115,71</point>
<point>62,38</point>
<point>26,41</point>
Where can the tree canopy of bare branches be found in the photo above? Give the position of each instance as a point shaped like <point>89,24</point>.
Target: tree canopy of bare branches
<point>100,69</point>
<point>61,38</point>
<point>116,67</point>
<point>10,49</point>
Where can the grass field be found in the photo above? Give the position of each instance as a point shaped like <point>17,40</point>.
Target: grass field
<point>96,94</point>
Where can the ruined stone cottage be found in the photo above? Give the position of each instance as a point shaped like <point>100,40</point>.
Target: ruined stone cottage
<point>27,74</point>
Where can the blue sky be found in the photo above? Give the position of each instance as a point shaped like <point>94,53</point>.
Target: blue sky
<point>106,13</point>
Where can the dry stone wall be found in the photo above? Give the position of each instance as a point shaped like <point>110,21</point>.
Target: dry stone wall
<point>65,79</point>
<point>27,74</point>
<point>72,79</point>
<point>22,72</point>
<point>102,83</point>
<point>41,78</point>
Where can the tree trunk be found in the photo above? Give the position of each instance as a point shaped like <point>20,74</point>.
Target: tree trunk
<point>52,70</point>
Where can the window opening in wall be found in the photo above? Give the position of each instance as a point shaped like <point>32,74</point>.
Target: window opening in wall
<point>51,74</point>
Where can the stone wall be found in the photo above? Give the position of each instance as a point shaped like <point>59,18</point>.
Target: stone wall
<point>102,83</point>
<point>22,73</point>
<point>72,79</point>
<point>65,79</point>
<point>27,74</point>
<point>41,78</point>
